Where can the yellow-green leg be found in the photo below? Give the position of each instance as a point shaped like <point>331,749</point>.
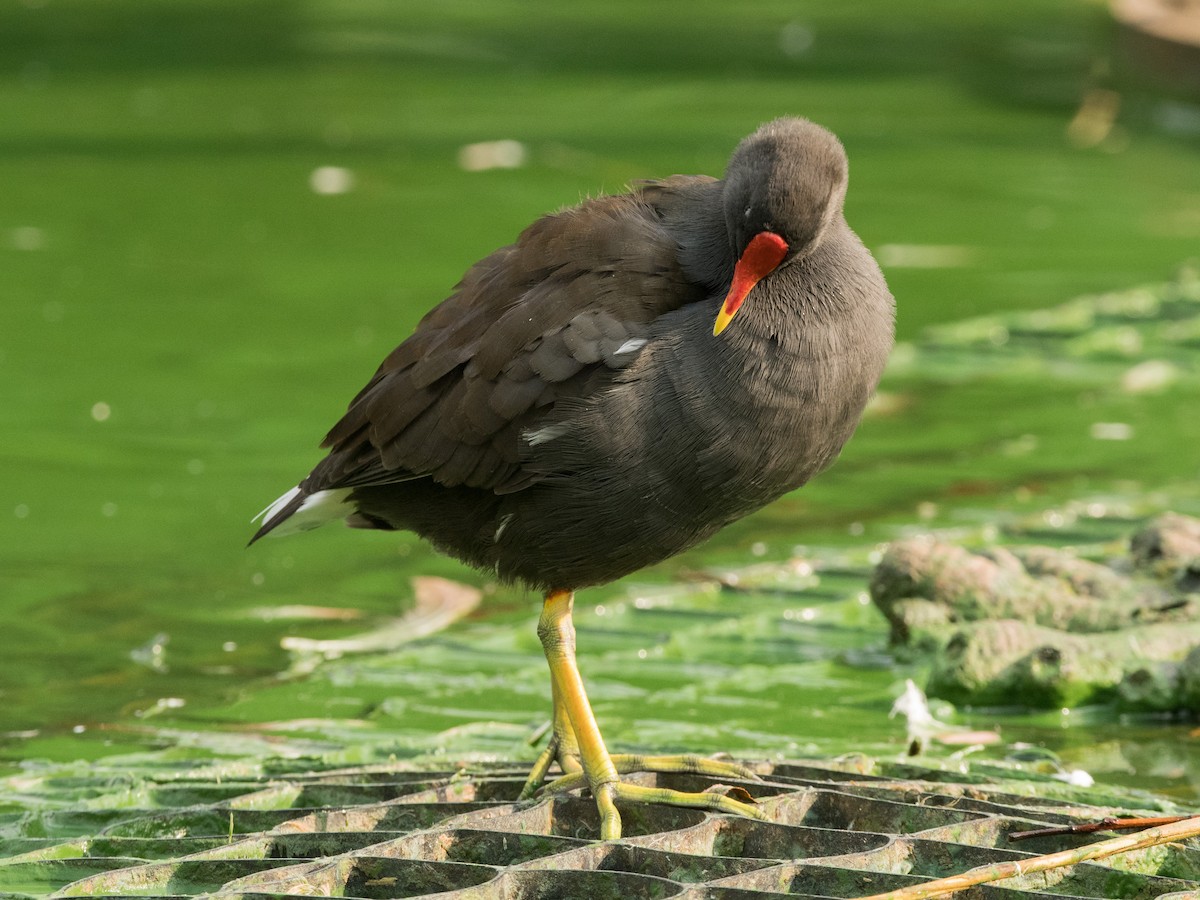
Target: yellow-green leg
<point>578,746</point>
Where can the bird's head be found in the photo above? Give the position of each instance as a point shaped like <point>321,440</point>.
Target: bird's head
<point>784,185</point>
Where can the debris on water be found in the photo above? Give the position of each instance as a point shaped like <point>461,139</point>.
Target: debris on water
<point>1048,763</point>
<point>28,238</point>
<point>914,706</point>
<point>153,653</point>
<point>1111,431</point>
<point>439,602</point>
<point>1151,376</point>
<point>504,154</point>
<point>1075,777</point>
<point>330,180</point>
<point>923,727</point>
<point>161,705</point>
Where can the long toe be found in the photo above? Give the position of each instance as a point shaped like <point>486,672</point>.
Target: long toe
<point>682,764</point>
<point>627,763</point>
<point>710,800</point>
<point>537,775</point>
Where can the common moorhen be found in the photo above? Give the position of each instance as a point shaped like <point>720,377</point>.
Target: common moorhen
<point>627,378</point>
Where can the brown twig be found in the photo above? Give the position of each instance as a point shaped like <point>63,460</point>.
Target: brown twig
<point>1151,837</point>
<point>1109,824</point>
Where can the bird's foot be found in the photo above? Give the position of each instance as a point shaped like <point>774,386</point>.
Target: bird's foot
<point>608,793</point>
<point>573,776</point>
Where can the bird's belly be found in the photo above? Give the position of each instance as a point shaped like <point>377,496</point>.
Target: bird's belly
<point>643,489</point>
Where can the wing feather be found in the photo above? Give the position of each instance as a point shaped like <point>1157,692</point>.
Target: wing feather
<point>548,319</point>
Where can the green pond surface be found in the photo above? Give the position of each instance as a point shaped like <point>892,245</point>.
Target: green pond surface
<point>217,217</point>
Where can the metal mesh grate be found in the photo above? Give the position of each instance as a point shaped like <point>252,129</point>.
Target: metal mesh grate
<point>382,832</point>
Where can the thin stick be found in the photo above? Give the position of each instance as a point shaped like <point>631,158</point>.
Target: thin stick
<point>984,874</point>
<point>1109,824</point>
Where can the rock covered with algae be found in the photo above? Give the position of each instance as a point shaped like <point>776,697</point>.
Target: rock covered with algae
<point>1042,627</point>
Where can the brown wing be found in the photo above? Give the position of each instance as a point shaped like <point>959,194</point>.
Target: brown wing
<point>552,317</point>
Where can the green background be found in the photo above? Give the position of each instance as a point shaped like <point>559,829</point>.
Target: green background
<point>182,316</point>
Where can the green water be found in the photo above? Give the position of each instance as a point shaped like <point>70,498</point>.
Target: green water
<point>182,316</point>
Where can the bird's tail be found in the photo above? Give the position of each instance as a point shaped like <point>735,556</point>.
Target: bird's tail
<point>302,511</point>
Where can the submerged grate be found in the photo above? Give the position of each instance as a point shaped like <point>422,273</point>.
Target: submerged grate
<point>382,832</point>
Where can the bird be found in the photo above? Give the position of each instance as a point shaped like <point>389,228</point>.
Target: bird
<point>628,377</point>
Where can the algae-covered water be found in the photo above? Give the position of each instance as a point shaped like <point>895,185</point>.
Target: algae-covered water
<point>218,216</point>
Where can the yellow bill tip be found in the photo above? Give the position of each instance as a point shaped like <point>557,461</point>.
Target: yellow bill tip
<point>723,318</point>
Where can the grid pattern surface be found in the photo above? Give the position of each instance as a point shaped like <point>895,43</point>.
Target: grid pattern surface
<point>383,832</point>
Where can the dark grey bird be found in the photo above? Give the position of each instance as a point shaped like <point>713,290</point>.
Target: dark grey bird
<point>626,379</point>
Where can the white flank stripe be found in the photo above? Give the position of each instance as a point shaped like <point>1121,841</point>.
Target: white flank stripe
<point>546,433</point>
<point>504,521</point>
<point>630,345</point>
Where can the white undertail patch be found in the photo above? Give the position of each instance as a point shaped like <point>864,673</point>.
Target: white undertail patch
<point>316,510</point>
